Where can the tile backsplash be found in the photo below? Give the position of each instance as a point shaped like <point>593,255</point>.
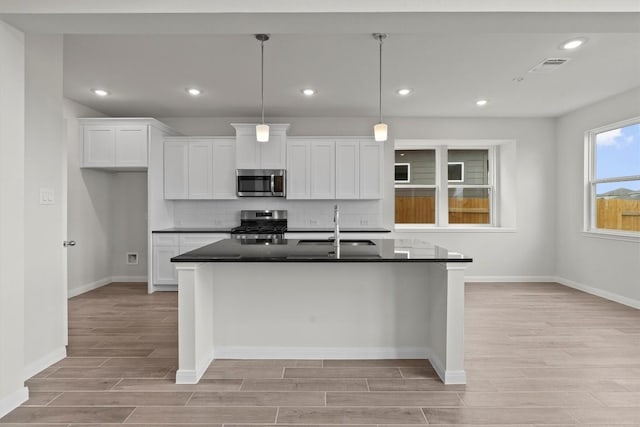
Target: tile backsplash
<point>302,213</point>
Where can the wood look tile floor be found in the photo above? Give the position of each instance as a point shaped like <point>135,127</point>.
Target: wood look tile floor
<point>537,354</point>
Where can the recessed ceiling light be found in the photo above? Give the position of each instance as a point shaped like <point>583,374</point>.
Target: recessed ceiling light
<point>481,102</point>
<point>100,92</point>
<point>194,91</point>
<point>573,43</point>
<point>404,91</point>
<point>309,92</point>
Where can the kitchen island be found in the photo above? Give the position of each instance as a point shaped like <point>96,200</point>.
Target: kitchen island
<point>311,299</point>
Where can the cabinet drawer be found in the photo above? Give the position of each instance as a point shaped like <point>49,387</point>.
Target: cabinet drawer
<point>166,240</point>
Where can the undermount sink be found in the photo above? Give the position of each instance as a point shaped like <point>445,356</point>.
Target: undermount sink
<point>343,242</point>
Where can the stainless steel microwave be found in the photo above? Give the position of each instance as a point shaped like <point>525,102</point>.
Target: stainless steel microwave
<point>261,182</point>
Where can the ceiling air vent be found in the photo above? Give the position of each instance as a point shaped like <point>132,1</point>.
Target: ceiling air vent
<point>548,65</point>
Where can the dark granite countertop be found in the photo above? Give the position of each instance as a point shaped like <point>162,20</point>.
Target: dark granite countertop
<point>292,230</point>
<point>342,230</point>
<point>294,250</point>
<point>193,230</point>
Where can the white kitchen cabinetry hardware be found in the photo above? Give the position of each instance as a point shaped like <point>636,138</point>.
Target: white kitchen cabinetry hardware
<point>169,245</point>
<point>199,168</point>
<point>251,154</point>
<point>115,146</point>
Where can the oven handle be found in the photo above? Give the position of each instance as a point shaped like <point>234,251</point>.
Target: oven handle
<point>273,184</point>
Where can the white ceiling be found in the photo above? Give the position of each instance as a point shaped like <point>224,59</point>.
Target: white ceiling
<point>448,59</point>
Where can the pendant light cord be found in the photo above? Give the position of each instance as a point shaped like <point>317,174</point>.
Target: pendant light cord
<point>262,77</point>
<point>380,82</point>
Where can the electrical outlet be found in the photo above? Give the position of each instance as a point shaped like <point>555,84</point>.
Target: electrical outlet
<point>364,222</point>
<point>132,258</point>
<point>313,222</point>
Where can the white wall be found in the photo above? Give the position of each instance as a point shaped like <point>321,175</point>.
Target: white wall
<point>526,253</point>
<point>603,266</point>
<point>45,225</point>
<point>90,214</point>
<point>129,232</point>
<point>12,390</point>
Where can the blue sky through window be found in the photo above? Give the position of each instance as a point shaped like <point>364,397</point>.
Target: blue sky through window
<point>618,155</point>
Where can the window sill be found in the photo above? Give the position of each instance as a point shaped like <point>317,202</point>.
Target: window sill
<point>611,235</point>
<point>433,229</point>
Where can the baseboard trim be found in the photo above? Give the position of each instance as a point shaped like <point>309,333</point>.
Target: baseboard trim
<point>102,282</point>
<point>561,280</point>
<point>133,279</point>
<point>505,279</point>
<point>44,362</point>
<point>599,292</point>
<point>192,376</point>
<point>237,352</point>
<point>13,400</point>
<point>88,287</point>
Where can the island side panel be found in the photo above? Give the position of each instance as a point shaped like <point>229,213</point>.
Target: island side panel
<point>195,321</point>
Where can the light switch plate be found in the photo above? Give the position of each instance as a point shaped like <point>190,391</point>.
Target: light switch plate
<point>46,196</point>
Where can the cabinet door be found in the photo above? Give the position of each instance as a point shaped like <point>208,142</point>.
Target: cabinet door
<point>131,146</point>
<point>98,146</point>
<point>200,170</point>
<point>298,169</point>
<point>176,170</point>
<point>323,166</point>
<point>347,170</point>
<point>247,150</point>
<point>273,152</point>
<point>164,272</point>
<point>224,169</point>
<point>371,169</point>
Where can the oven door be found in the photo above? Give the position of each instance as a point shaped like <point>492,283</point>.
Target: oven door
<point>260,183</point>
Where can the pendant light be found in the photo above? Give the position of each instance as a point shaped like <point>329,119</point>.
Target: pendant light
<point>380,129</point>
<point>262,130</point>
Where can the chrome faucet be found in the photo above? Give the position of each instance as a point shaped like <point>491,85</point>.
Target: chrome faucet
<point>336,226</point>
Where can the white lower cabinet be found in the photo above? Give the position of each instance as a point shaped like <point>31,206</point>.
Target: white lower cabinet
<point>169,245</point>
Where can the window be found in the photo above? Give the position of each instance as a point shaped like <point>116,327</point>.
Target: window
<point>463,195</point>
<point>402,172</point>
<point>613,178</point>
<point>456,172</point>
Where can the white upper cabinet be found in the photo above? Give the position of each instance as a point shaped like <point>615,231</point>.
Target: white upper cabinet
<point>371,167</point>
<point>347,170</point>
<point>199,168</point>
<point>115,146</point>
<point>323,166</point>
<point>176,169</point>
<point>224,170</point>
<point>131,146</point>
<point>251,154</point>
<point>298,169</point>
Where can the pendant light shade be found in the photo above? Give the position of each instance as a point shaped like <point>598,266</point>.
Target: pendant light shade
<point>262,133</point>
<point>262,130</point>
<point>380,130</point>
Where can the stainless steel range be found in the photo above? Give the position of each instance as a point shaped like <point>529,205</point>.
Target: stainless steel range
<point>261,227</point>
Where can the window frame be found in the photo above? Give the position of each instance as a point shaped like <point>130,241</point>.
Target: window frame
<point>408,165</point>
<point>442,185</point>
<point>591,182</point>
